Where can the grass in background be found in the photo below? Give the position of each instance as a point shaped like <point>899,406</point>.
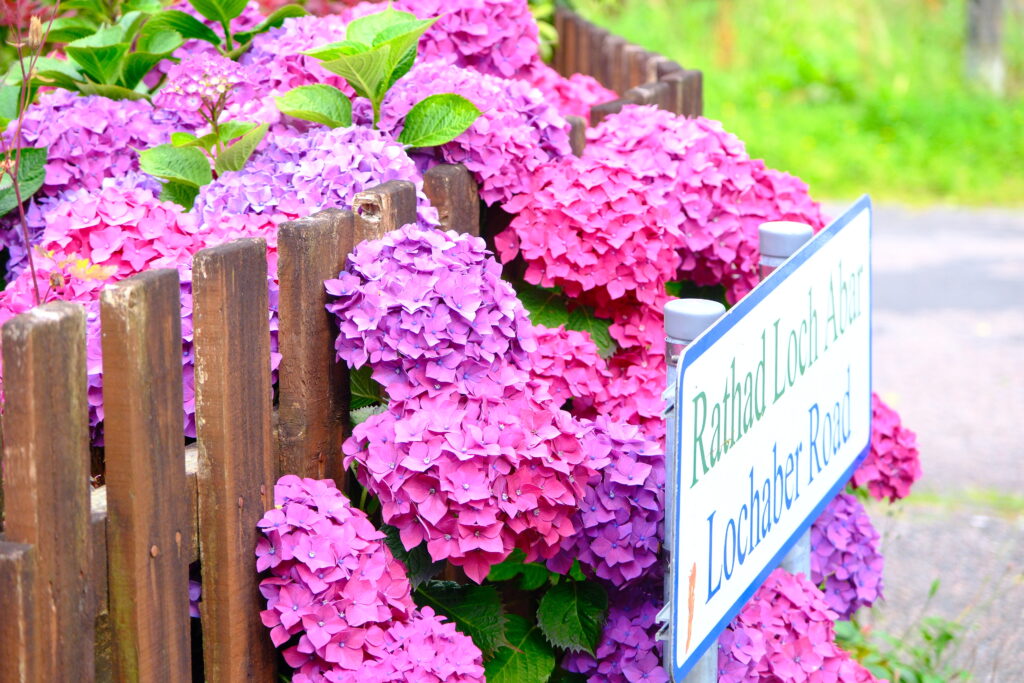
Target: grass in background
<point>855,96</point>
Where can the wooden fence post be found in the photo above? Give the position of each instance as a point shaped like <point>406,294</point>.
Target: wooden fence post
<point>384,208</point>
<point>577,134</point>
<point>313,386</point>
<point>46,479</point>
<point>452,190</point>
<point>693,93</point>
<point>18,625</point>
<point>233,414</point>
<point>147,514</point>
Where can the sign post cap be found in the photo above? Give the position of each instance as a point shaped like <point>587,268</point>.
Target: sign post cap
<point>781,239</point>
<point>686,319</point>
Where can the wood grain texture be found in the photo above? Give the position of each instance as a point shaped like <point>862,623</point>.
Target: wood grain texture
<point>19,662</point>
<point>232,345</point>
<point>598,59</point>
<point>145,477</point>
<point>584,34</point>
<point>693,93</point>
<point>46,478</point>
<point>558,58</point>
<point>567,42</point>
<point>614,70</point>
<point>577,134</point>
<point>675,94</point>
<point>384,208</point>
<point>453,191</point>
<point>312,387</point>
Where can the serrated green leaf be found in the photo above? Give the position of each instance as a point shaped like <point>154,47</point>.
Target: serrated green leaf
<point>229,130</point>
<point>476,611</point>
<point>365,29</point>
<point>31,173</point>
<point>112,92</point>
<point>186,165</point>
<point>102,37</point>
<point>179,193</point>
<point>419,567</point>
<point>361,415</point>
<point>101,63</point>
<point>402,41</point>
<point>185,24</point>
<point>571,615</point>
<point>151,51</point>
<point>438,119</point>
<point>319,103</point>
<point>529,659</point>
<point>364,390</point>
<point>532,574</point>
<point>365,71</point>
<point>582,319</point>
<point>275,20</point>
<point>67,29</point>
<point>184,140</point>
<point>234,157</point>
<point>546,307</point>
<point>342,48</point>
<point>221,11</point>
<point>130,23</point>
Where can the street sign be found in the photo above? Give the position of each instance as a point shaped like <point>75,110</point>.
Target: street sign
<point>773,406</point>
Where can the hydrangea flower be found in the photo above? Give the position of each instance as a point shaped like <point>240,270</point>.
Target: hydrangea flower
<point>195,592</point>
<point>202,85</point>
<point>495,37</point>
<point>621,514</point>
<point>569,363</point>
<point>517,132</point>
<point>628,650</point>
<point>333,586</point>
<point>785,633</point>
<point>572,96</point>
<point>845,557</point>
<point>429,311</point>
<point>298,176</point>
<point>893,464</point>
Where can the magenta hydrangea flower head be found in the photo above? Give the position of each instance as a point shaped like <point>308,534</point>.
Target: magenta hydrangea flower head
<point>298,176</point>
<point>628,650</point>
<point>430,313</point>
<point>893,464</point>
<point>334,587</point>
<point>620,517</point>
<point>845,557</point>
<point>569,363</point>
<point>785,633</point>
<point>200,87</point>
<point>572,96</point>
<point>90,138</point>
<point>495,37</point>
<point>515,135</point>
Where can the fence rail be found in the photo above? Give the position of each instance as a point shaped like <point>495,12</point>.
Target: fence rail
<point>93,581</point>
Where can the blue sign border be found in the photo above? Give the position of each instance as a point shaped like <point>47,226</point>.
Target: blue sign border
<point>702,344</point>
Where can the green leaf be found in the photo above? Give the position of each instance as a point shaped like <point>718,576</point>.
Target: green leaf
<point>113,92</point>
<point>103,37</point>
<point>476,611</point>
<point>571,615</point>
<point>234,157</point>
<point>221,11</point>
<point>179,193</point>
<point>275,20</point>
<point>102,63</point>
<point>184,140</point>
<point>582,319</point>
<point>336,50</point>
<point>365,71</point>
<point>185,24</point>
<point>534,575</point>
<point>365,29</point>
<point>130,23</point>
<point>152,49</point>
<point>319,103</point>
<point>145,6</point>
<point>418,565</point>
<point>545,306</point>
<point>229,130</point>
<point>31,173</point>
<point>401,41</point>
<point>529,659</point>
<point>358,417</point>
<point>576,571</point>
<point>67,29</point>
<point>364,390</point>
<point>438,119</point>
<point>186,165</point>
<point>9,95</point>
<point>45,65</point>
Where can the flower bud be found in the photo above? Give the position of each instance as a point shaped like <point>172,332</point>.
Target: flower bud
<point>35,33</point>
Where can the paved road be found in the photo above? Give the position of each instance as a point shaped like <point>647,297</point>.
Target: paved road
<point>949,355</point>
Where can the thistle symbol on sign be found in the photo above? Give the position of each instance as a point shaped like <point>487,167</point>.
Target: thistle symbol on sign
<point>689,604</point>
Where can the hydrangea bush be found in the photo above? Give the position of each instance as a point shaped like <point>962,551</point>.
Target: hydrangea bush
<point>893,464</point>
<point>844,556</point>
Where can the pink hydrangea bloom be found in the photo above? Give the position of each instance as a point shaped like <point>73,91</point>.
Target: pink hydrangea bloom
<point>785,633</point>
<point>572,96</point>
<point>517,132</point>
<point>893,464</point>
<point>495,37</point>
<point>845,557</point>
<point>568,361</point>
<point>202,85</point>
<point>628,650</point>
<point>298,176</point>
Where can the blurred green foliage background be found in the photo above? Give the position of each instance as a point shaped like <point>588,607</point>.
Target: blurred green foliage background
<point>853,96</point>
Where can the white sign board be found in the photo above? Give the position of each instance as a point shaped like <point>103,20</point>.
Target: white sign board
<point>773,407</point>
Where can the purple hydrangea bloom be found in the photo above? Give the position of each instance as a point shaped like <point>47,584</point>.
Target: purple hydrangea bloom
<point>517,132</point>
<point>845,556</point>
<point>202,85</point>
<point>298,176</point>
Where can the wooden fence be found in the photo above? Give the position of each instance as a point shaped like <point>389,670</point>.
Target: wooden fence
<point>93,581</point>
